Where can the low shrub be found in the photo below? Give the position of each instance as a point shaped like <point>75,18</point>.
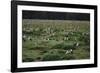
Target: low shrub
<point>51,57</point>
<point>28,59</point>
<point>65,46</point>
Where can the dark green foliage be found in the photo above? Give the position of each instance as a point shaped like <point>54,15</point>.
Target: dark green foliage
<point>51,57</point>
<point>68,57</point>
<point>28,59</point>
<point>65,46</point>
<point>44,51</point>
<point>81,54</point>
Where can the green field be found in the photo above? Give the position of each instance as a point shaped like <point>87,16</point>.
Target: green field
<point>51,40</point>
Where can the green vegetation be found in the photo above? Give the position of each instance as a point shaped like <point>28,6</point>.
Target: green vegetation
<point>50,40</point>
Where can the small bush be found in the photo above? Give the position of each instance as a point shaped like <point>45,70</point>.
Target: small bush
<point>28,59</point>
<point>51,57</point>
<point>64,46</point>
<point>68,57</point>
<point>81,54</point>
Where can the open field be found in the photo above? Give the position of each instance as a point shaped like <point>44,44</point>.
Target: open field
<point>51,40</point>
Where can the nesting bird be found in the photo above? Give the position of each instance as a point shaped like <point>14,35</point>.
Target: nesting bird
<point>68,51</point>
<point>77,44</point>
<point>29,38</point>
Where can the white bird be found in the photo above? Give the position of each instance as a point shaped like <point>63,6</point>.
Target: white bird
<point>24,36</point>
<point>68,51</point>
<point>67,38</point>
<point>77,44</point>
<point>29,38</point>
